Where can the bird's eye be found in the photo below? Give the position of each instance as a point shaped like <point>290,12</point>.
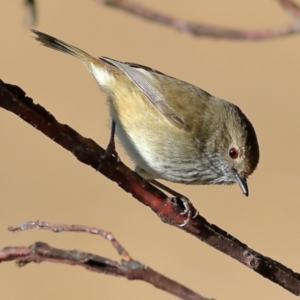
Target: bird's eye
<point>233,153</point>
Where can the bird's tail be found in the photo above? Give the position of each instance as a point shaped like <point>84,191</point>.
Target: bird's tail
<point>101,70</point>
<point>56,44</point>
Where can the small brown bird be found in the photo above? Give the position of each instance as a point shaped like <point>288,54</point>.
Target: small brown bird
<point>171,129</point>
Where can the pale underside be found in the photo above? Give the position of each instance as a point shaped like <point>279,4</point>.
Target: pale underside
<point>160,148</point>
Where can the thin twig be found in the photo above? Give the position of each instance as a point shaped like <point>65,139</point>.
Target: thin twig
<point>31,12</point>
<point>129,268</point>
<point>292,8</point>
<point>204,30</point>
<point>73,228</point>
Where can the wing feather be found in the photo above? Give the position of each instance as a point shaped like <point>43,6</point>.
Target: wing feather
<point>150,86</point>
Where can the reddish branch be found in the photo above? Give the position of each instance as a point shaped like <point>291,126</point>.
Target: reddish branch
<point>199,29</point>
<point>170,210</point>
<point>129,268</point>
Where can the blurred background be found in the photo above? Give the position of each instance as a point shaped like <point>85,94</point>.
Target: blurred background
<point>40,180</point>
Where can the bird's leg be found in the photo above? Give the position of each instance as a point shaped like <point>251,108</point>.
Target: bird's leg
<point>111,148</point>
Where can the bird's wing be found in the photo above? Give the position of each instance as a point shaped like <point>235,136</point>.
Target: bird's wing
<point>142,77</point>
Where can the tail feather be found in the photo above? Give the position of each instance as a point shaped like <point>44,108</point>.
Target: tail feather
<point>102,71</point>
<point>56,44</point>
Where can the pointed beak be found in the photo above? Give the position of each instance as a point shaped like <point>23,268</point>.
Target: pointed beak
<point>243,184</point>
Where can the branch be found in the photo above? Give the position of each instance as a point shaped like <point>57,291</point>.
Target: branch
<point>129,268</point>
<point>292,8</point>
<point>170,210</point>
<point>200,30</point>
<point>31,12</point>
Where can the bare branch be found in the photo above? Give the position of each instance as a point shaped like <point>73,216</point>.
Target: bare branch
<point>31,12</point>
<point>73,228</point>
<point>170,210</point>
<point>129,268</point>
<point>200,30</point>
<point>292,8</point>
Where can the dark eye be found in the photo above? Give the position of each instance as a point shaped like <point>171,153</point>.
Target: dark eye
<point>233,153</point>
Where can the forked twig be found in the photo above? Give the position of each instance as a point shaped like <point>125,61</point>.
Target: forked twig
<point>129,268</point>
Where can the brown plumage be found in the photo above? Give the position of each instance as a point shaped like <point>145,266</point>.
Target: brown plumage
<point>171,129</point>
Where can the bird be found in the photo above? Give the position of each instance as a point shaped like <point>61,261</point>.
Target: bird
<point>172,130</point>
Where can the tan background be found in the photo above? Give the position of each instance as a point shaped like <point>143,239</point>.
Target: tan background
<point>40,180</point>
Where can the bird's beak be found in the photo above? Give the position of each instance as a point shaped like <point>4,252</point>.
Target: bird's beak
<point>243,184</point>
